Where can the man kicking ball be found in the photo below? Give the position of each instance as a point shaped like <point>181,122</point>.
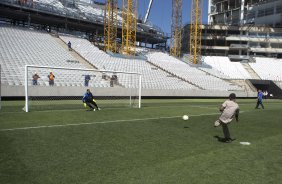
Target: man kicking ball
<point>89,100</point>
<point>229,109</point>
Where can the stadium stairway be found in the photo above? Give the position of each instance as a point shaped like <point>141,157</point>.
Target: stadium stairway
<point>238,82</point>
<point>252,73</point>
<point>82,60</point>
<point>174,75</point>
<point>245,84</point>
<point>74,54</point>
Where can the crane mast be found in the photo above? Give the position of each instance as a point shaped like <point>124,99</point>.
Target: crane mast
<point>129,25</point>
<point>176,28</point>
<point>196,32</point>
<point>110,25</point>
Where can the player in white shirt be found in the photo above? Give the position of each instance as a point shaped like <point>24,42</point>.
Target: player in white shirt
<point>229,109</point>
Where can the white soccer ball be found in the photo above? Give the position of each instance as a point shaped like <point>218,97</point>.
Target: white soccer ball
<point>185,117</point>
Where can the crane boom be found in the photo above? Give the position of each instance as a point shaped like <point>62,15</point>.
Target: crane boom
<point>148,11</point>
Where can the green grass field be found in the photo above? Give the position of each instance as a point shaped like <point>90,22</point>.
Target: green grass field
<point>140,146</point>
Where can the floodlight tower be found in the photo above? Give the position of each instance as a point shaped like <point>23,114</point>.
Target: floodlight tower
<point>176,28</point>
<point>110,25</point>
<point>196,31</point>
<point>129,23</point>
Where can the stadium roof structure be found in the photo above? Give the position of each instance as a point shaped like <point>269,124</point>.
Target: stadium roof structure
<point>66,18</point>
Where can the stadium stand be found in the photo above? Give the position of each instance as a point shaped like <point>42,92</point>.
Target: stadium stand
<point>279,84</point>
<point>49,5</point>
<point>20,47</point>
<point>234,70</point>
<point>189,73</point>
<point>153,77</point>
<point>268,68</point>
<point>89,10</point>
<point>211,70</point>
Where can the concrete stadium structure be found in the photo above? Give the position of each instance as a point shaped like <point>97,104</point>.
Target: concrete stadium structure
<point>240,12</point>
<point>241,29</point>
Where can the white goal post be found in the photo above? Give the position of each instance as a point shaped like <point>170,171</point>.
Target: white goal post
<point>111,89</point>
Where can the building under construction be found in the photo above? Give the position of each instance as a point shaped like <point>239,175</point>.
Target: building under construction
<point>240,29</point>
<point>240,12</point>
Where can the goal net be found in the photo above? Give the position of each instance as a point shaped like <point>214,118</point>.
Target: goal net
<point>61,88</point>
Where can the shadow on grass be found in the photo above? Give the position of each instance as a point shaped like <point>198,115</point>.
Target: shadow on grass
<point>223,140</point>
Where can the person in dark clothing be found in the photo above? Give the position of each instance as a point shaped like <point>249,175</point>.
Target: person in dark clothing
<point>35,77</point>
<point>259,100</point>
<point>89,100</point>
<point>69,46</point>
<point>86,80</point>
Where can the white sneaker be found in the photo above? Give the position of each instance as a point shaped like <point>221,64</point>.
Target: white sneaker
<point>99,109</point>
<point>216,123</point>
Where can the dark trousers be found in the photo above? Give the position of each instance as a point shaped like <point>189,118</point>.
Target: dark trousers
<point>51,83</point>
<point>92,105</point>
<point>259,102</point>
<point>34,82</point>
<point>86,82</point>
<point>225,131</point>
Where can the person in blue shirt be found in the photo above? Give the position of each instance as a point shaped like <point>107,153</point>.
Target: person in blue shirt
<point>89,100</point>
<point>259,100</point>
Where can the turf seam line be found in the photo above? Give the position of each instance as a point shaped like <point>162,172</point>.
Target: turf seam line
<point>101,122</point>
<point>197,106</point>
<point>69,110</point>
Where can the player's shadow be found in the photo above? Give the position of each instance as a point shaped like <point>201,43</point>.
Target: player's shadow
<point>186,127</point>
<point>222,139</point>
<point>219,139</point>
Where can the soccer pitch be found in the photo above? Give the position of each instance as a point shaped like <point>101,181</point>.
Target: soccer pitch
<point>141,146</point>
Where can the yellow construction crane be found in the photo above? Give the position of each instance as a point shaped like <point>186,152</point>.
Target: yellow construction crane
<point>176,28</point>
<point>129,23</point>
<point>196,31</point>
<point>110,25</point>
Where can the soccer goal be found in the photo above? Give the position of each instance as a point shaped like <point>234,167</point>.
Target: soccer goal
<point>62,88</point>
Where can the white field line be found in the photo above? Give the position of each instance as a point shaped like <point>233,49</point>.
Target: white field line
<point>102,122</point>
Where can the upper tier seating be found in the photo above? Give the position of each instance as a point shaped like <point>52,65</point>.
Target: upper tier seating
<point>189,73</point>
<point>234,70</point>
<point>268,68</point>
<point>152,78</point>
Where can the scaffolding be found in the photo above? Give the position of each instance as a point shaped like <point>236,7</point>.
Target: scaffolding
<point>110,25</point>
<point>176,28</point>
<point>196,32</point>
<point>129,23</point>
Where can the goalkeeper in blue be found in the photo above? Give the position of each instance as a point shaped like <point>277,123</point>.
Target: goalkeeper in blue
<point>89,100</point>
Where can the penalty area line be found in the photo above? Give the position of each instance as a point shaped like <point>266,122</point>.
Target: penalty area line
<point>101,122</point>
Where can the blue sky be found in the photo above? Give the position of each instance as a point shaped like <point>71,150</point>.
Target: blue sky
<point>161,12</point>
